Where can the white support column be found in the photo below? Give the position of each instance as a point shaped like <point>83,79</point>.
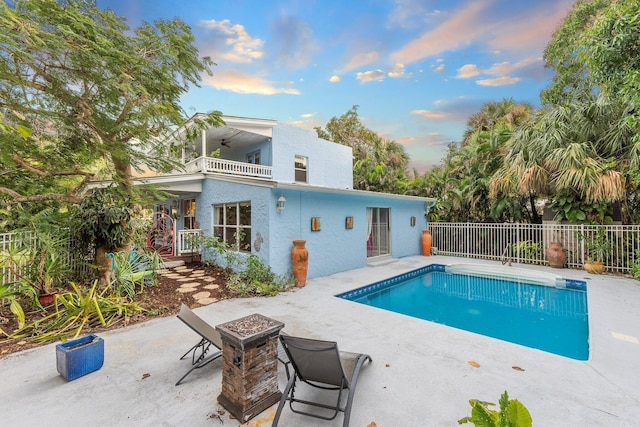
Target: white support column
<point>204,143</point>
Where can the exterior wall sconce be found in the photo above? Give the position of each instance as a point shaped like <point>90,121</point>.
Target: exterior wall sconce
<point>175,214</point>
<point>280,205</point>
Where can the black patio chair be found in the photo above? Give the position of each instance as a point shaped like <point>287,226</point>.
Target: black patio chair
<point>210,337</point>
<point>320,364</point>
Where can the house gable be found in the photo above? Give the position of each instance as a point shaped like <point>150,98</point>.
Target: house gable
<point>328,164</point>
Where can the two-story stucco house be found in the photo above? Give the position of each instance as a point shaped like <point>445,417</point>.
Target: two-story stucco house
<point>273,183</point>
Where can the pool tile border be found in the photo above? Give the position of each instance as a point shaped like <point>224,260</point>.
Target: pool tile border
<point>576,285</point>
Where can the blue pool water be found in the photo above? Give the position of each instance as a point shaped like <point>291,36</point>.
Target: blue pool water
<point>546,313</point>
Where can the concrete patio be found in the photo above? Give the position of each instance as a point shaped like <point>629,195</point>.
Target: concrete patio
<point>420,375</point>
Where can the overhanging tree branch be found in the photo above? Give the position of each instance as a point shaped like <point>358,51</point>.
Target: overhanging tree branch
<point>69,198</point>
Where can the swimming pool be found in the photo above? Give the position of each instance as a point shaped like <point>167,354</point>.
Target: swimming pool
<point>526,307</point>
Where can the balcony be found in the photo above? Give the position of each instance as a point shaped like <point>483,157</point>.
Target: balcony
<point>228,167</point>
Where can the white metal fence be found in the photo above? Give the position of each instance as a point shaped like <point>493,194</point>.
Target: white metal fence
<point>527,243</point>
<point>7,242</point>
<point>18,240</point>
<point>519,243</point>
<point>187,242</point>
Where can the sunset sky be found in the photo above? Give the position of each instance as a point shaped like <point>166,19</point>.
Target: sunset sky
<point>416,69</point>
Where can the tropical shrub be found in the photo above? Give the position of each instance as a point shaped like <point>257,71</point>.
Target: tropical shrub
<point>256,279</point>
<point>635,268</point>
<point>75,310</point>
<point>527,249</point>
<point>132,269</point>
<point>10,293</point>
<point>512,413</point>
<point>39,263</point>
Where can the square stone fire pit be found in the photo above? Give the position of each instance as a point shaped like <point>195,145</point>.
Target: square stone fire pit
<point>249,365</point>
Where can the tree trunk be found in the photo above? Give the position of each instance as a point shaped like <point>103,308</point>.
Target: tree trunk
<point>104,264</point>
<point>103,267</point>
<point>535,219</point>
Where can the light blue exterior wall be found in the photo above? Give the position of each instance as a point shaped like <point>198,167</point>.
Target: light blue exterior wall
<point>335,248</point>
<point>332,249</point>
<point>217,192</point>
<point>330,164</point>
<point>240,155</point>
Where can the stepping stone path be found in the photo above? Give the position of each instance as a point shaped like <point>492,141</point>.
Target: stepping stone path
<point>193,280</point>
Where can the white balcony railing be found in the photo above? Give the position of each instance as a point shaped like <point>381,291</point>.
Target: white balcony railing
<point>188,242</point>
<point>230,167</point>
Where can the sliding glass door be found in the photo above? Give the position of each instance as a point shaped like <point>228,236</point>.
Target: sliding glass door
<point>378,232</point>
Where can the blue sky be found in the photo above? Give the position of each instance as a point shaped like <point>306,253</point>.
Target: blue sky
<point>417,69</point>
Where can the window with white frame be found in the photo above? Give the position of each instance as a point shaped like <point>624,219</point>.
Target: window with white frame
<point>189,214</point>
<point>300,165</point>
<point>254,157</point>
<point>232,225</point>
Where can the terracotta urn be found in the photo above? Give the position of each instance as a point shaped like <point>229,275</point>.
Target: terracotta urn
<point>300,262</point>
<point>426,242</point>
<point>556,255</point>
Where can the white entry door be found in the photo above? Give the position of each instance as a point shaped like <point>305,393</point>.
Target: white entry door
<point>378,228</point>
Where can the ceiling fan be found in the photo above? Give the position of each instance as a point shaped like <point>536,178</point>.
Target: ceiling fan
<point>225,143</point>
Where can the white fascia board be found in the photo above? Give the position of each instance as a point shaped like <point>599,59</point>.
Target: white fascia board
<point>349,192</point>
<point>191,183</point>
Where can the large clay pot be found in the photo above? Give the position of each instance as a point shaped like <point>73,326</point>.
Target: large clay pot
<point>46,298</point>
<point>426,242</point>
<point>556,255</point>
<point>299,262</point>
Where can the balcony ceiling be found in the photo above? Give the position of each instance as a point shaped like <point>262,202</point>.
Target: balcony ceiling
<point>234,138</point>
<point>238,133</point>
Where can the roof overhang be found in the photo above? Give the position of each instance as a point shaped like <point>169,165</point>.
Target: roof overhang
<point>350,192</point>
<point>175,184</point>
<point>192,183</point>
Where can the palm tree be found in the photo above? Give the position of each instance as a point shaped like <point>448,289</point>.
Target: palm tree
<point>493,113</point>
<point>382,167</point>
<point>579,151</point>
<point>484,148</point>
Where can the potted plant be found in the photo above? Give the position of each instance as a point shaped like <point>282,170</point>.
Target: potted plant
<point>598,247</point>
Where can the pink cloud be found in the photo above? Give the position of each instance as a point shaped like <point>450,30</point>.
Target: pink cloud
<point>477,23</point>
<point>467,71</point>
<point>429,114</point>
<point>360,60</point>
<point>499,81</point>
<point>541,23</point>
<point>235,81</point>
<point>459,31</point>
<point>370,76</point>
